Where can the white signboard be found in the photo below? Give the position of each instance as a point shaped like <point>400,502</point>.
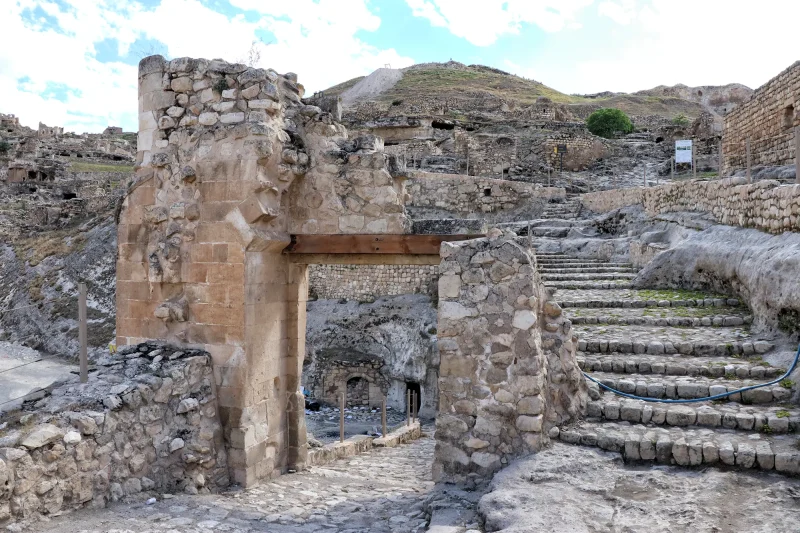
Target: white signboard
<point>683,151</point>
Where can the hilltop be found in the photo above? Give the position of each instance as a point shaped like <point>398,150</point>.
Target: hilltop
<point>464,89</point>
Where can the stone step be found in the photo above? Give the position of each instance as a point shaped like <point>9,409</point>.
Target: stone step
<point>589,285</point>
<point>677,365</point>
<point>729,415</point>
<point>689,446</point>
<point>613,301</point>
<point>545,231</point>
<point>722,321</point>
<point>689,387</point>
<point>669,345</point>
<point>576,261</point>
<point>588,276</point>
<point>589,269</point>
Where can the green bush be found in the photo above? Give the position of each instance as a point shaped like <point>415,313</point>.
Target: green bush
<point>609,123</point>
<point>680,120</point>
<point>4,147</point>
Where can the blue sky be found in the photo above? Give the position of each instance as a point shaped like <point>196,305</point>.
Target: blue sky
<point>73,62</point>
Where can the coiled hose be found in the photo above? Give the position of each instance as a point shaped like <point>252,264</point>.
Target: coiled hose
<point>707,398</point>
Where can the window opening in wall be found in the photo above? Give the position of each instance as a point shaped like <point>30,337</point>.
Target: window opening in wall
<point>69,196</point>
<point>31,174</point>
<point>659,139</point>
<point>439,125</point>
<point>415,390</point>
<point>505,172</point>
<point>699,93</point>
<point>487,192</point>
<point>788,117</point>
<point>357,392</point>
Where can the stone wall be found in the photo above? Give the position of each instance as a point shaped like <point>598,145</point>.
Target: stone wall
<point>147,420</point>
<point>508,372</point>
<point>765,205</point>
<point>768,119</point>
<point>487,154</point>
<point>458,196</point>
<point>365,283</point>
<point>583,149</point>
<point>230,163</point>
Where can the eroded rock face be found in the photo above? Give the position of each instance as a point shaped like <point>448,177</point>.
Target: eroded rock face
<point>760,268</point>
<point>391,341</point>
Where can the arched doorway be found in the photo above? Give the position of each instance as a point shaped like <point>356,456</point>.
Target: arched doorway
<point>357,392</point>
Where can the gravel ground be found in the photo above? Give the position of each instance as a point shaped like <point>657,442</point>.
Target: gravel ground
<point>324,424</point>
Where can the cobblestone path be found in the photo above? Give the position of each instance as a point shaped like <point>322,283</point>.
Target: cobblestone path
<point>674,345</point>
<point>383,491</point>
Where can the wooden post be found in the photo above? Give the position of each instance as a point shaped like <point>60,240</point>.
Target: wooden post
<point>548,177</point>
<point>341,418</point>
<point>719,164</point>
<point>408,407</point>
<point>383,417</point>
<point>672,172</point>
<point>644,174</point>
<point>797,154</point>
<point>747,148</point>
<point>467,156</point>
<point>82,332</point>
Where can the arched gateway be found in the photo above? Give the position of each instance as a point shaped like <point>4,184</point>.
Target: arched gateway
<point>239,185</point>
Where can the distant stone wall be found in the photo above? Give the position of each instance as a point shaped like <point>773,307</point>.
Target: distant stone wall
<point>146,420</point>
<point>470,197</point>
<point>583,149</point>
<point>487,154</point>
<point>768,119</point>
<point>508,371</point>
<point>365,283</point>
<point>765,205</point>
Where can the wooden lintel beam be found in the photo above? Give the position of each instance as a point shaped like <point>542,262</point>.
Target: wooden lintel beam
<point>371,244</point>
<point>363,259</point>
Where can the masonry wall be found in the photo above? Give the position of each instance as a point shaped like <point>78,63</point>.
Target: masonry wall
<point>765,205</point>
<point>230,163</point>
<point>508,372</point>
<point>768,119</point>
<point>147,420</point>
<point>473,197</point>
<point>365,283</point>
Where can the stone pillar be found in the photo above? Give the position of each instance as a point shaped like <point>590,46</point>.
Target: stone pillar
<point>508,370</point>
<point>230,161</point>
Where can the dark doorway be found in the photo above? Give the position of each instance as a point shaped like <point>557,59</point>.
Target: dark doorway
<point>357,392</point>
<point>416,395</point>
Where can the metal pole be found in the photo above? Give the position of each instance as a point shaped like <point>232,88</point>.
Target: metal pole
<point>548,177</point>
<point>408,407</point>
<point>747,148</point>
<point>467,156</point>
<point>797,154</point>
<point>694,163</point>
<point>719,164</point>
<point>672,172</point>
<point>341,418</point>
<point>383,417</point>
<point>82,332</point>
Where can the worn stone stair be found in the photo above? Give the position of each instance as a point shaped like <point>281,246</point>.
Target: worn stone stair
<point>672,345</point>
<point>569,209</point>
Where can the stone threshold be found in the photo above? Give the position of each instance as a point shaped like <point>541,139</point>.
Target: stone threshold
<point>359,444</point>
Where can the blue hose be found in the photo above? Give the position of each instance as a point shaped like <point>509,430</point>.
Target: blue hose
<point>707,398</point>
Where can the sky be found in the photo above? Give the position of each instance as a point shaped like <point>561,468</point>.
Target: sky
<point>73,63</point>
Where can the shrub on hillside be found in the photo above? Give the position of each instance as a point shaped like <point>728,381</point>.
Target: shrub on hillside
<point>4,147</point>
<point>680,120</point>
<point>609,123</point>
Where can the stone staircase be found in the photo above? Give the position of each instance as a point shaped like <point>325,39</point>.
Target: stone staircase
<point>569,209</point>
<point>672,345</point>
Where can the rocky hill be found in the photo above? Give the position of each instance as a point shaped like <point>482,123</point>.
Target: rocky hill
<point>463,91</point>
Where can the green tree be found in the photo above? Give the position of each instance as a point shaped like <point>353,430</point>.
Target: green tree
<point>680,120</point>
<point>609,122</point>
<point>4,147</point>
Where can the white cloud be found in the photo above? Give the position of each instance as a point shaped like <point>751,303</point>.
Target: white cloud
<point>621,12</point>
<point>482,22</point>
<point>317,40</point>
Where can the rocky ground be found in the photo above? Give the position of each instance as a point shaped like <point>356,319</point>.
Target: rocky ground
<point>324,424</point>
<point>388,490</point>
<point>578,490</point>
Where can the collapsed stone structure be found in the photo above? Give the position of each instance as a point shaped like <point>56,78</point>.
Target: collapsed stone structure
<point>769,119</point>
<point>147,420</point>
